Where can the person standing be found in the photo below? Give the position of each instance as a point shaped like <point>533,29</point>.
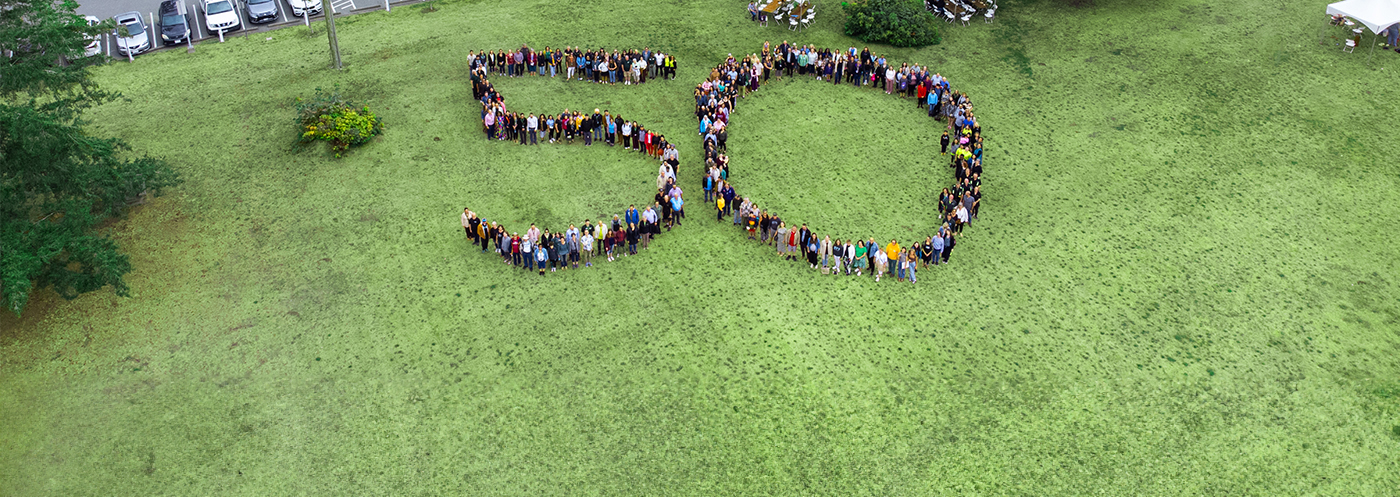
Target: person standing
<point>527,252</point>
<point>677,210</point>
<point>469,223</point>
<point>838,253</point>
<point>586,248</point>
<point>935,247</point>
<point>881,263</point>
<point>871,247</point>
<point>633,236</point>
<point>948,243</point>
<point>892,253</point>
<point>859,257</point>
<point>912,269</point>
<point>482,230</point>
<point>612,129</point>
<point>572,238</point>
<point>540,257</point>
<point>649,220</point>
<point>794,237</point>
<point>620,238</point>
<point>515,245</point>
<point>825,255</point>
<point>532,126</point>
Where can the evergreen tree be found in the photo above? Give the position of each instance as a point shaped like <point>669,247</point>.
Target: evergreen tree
<point>57,182</point>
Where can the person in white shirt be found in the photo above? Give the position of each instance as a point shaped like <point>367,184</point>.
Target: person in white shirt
<point>586,249</point>
<point>532,126</point>
<point>881,263</point>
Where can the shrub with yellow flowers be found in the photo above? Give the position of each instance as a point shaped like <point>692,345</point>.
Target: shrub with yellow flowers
<point>330,117</point>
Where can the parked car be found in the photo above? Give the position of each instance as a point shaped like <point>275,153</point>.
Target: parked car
<point>301,7</point>
<point>173,26</point>
<point>260,11</point>
<point>94,45</point>
<point>219,15</point>
<point>137,40</point>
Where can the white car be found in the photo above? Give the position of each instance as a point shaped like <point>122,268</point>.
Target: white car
<point>220,15</point>
<point>94,45</point>
<point>301,7</point>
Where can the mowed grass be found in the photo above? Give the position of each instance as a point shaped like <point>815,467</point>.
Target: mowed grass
<point>1183,281</point>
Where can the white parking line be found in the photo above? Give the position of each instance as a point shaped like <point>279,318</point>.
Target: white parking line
<point>342,6</point>
<point>198,26</point>
<point>243,19</point>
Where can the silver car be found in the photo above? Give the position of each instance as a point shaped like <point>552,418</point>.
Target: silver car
<point>137,40</point>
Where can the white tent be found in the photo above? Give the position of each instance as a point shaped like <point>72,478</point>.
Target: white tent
<point>1376,15</point>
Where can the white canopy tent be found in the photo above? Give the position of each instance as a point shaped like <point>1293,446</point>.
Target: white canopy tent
<point>1376,15</point>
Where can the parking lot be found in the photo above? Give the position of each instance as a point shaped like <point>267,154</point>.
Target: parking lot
<point>106,9</point>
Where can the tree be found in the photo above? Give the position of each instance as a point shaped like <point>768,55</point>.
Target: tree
<point>57,182</point>
<point>902,23</point>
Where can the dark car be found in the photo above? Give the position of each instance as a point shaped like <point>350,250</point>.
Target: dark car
<point>260,11</point>
<point>174,28</point>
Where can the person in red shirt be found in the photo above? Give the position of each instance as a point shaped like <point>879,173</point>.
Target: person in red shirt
<point>923,94</point>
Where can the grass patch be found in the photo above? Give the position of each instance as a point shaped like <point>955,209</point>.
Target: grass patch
<point>304,325</point>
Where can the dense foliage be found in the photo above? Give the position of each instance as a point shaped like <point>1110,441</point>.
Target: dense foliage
<point>330,117</point>
<point>57,182</point>
<point>902,23</point>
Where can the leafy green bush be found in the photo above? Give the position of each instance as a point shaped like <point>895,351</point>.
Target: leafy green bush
<point>330,117</point>
<point>902,23</point>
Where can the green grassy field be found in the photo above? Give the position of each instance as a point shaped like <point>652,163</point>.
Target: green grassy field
<point>1184,280</point>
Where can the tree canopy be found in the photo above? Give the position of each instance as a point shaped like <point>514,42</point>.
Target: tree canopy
<point>57,182</point>
<point>902,23</point>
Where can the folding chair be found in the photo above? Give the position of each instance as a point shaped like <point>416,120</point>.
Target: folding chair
<point>792,23</point>
<point>966,17</point>
<point>990,12</point>
<point>948,16</point>
<point>806,22</point>
<point>1350,47</point>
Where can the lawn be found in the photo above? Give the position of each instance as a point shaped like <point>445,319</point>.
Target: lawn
<point>1183,282</point>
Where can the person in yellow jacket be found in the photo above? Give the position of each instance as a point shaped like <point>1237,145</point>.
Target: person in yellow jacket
<point>719,207</point>
<point>892,251</point>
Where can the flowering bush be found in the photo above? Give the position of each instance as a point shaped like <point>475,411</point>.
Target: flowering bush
<point>329,117</point>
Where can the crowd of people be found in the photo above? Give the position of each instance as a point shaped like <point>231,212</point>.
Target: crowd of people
<point>598,66</point>
<point>575,247</point>
<point>952,112</point>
